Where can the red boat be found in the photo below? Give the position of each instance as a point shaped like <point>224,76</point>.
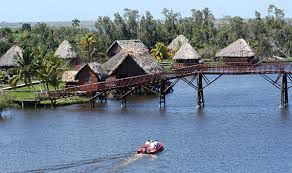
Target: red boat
<point>146,150</point>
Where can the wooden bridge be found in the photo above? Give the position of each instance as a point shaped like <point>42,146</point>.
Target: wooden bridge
<point>160,85</point>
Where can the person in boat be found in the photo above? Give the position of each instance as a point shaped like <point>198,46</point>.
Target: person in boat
<point>156,144</point>
<point>152,146</point>
<point>147,144</point>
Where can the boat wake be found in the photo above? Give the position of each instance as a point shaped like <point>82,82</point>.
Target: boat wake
<point>76,164</point>
<point>130,160</point>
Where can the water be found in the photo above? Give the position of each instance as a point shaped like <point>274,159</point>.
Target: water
<point>241,129</point>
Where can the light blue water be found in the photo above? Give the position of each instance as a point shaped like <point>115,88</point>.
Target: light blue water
<point>241,129</point>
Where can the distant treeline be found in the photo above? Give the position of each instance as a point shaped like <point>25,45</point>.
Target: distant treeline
<point>268,35</point>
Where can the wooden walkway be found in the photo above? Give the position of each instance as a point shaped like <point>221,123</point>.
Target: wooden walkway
<point>179,73</point>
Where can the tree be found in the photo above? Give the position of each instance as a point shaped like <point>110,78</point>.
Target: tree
<point>26,27</point>
<point>160,52</point>
<point>26,68</point>
<point>87,44</point>
<point>131,17</point>
<point>75,22</point>
<point>51,70</point>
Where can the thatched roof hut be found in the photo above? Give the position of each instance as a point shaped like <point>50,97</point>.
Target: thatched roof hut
<point>178,42</point>
<point>237,49</point>
<point>66,51</point>
<point>237,53</point>
<point>131,63</point>
<point>69,76</point>
<point>91,73</point>
<point>8,60</point>
<point>120,45</point>
<point>187,54</point>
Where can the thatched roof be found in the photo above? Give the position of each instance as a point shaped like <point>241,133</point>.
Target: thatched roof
<point>143,59</point>
<point>187,52</point>
<point>136,45</point>
<point>178,42</point>
<point>66,51</point>
<point>238,49</point>
<point>96,68</point>
<point>9,58</point>
<point>69,76</point>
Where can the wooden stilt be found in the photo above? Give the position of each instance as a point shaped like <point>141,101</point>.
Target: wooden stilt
<point>124,99</point>
<point>200,92</point>
<point>162,93</point>
<point>93,99</point>
<point>284,91</point>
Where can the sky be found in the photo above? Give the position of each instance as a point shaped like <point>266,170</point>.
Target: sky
<point>66,10</point>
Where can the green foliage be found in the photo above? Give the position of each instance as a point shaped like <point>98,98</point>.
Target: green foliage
<point>268,35</point>
<point>51,69</point>
<point>3,77</point>
<point>5,101</point>
<point>39,65</point>
<point>87,44</point>
<point>75,22</point>
<point>160,52</point>
<point>26,68</point>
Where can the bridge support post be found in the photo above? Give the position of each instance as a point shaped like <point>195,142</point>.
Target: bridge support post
<point>92,100</point>
<point>162,94</point>
<point>284,91</point>
<point>200,92</point>
<point>124,99</point>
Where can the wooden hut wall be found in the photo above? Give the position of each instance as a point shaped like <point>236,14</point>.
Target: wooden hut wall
<point>128,68</point>
<point>239,60</point>
<point>87,76</point>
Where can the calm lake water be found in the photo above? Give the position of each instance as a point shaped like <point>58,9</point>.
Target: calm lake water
<point>241,129</point>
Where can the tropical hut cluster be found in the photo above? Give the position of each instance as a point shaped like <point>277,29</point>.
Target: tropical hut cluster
<point>237,53</point>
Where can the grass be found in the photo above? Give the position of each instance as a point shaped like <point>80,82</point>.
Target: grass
<point>67,101</point>
<point>27,93</point>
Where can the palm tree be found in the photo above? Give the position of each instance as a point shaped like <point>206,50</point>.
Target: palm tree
<point>160,51</point>
<point>75,22</point>
<point>26,68</point>
<point>87,45</point>
<point>51,70</point>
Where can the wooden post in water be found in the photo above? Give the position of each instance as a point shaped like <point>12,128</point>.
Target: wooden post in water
<point>200,92</point>
<point>124,99</point>
<point>284,91</point>
<point>161,93</point>
<point>92,99</point>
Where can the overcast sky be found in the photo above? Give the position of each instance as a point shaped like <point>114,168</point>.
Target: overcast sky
<point>66,10</point>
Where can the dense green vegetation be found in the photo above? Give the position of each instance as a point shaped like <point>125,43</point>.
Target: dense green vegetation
<point>269,35</point>
<point>5,101</point>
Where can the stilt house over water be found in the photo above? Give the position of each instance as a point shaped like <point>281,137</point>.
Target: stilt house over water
<point>91,73</point>
<point>67,52</point>
<point>187,55</point>
<point>9,59</point>
<point>178,42</point>
<point>120,45</point>
<point>237,53</point>
<point>130,63</point>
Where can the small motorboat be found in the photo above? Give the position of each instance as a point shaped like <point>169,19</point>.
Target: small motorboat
<point>147,150</point>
